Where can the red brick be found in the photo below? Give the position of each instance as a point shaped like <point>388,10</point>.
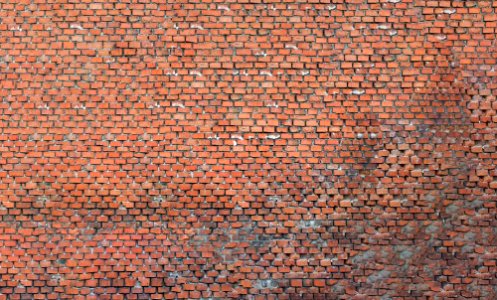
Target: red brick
<point>200,149</point>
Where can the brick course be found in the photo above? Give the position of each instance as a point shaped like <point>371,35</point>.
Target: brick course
<point>248,149</point>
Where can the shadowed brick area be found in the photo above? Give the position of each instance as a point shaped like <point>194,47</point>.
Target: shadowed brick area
<point>248,149</point>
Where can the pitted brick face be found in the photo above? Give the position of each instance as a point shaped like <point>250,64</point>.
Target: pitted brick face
<point>248,149</point>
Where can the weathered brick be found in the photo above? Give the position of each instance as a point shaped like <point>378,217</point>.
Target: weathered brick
<point>208,150</point>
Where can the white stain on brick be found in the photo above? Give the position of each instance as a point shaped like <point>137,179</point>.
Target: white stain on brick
<point>358,92</point>
<point>273,136</point>
<point>196,73</point>
<point>223,7</point>
<point>266,73</point>
<point>76,26</point>
<point>260,53</point>
<point>449,11</point>
<point>197,26</point>
<point>441,37</point>
<point>236,137</point>
<point>82,106</point>
<point>158,199</point>
<point>392,32</point>
<point>274,199</point>
<point>177,104</point>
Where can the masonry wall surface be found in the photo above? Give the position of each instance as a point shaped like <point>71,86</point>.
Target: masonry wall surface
<point>248,149</point>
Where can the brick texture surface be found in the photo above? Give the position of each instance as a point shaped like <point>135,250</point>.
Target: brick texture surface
<point>248,149</point>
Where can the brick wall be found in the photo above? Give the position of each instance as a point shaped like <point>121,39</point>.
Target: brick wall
<point>248,149</point>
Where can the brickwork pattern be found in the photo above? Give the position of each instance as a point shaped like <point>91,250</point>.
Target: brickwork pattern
<point>248,149</point>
